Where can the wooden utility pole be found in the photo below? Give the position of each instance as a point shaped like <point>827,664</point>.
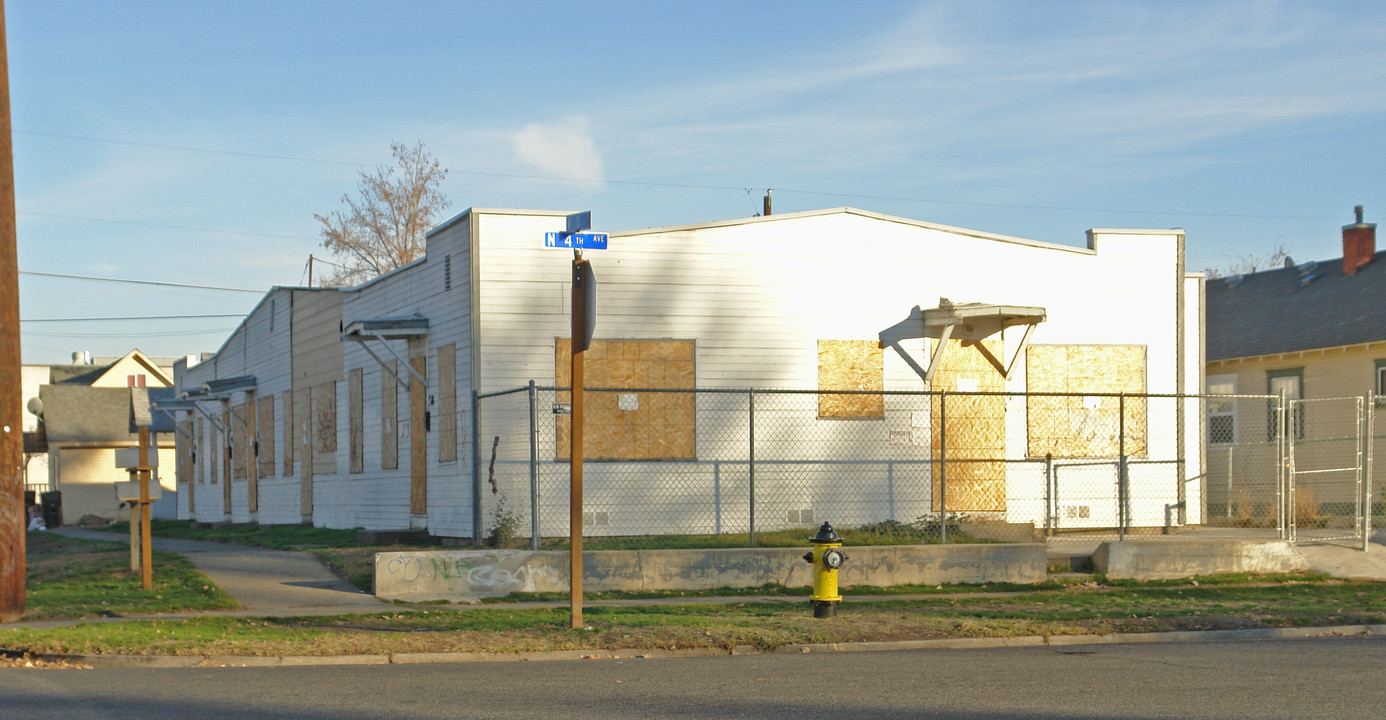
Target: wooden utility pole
<point>12,521</point>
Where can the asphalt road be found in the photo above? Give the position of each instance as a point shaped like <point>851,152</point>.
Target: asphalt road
<point>1309,678</point>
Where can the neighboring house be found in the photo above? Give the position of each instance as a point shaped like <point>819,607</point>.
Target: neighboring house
<point>1316,330</point>
<point>354,407</point>
<point>91,410</point>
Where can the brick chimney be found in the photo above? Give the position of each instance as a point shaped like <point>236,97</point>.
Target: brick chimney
<point>1359,244</point>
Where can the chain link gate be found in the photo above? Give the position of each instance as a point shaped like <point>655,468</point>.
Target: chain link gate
<point>1328,488</point>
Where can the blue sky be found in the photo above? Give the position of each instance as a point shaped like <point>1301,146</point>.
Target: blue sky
<point>193,142</point>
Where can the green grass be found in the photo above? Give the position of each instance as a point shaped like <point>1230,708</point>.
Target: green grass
<point>277,537</point>
<point>69,577</point>
<point>1282,601</point>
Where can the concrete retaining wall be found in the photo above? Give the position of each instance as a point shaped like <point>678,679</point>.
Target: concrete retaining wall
<point>465,575</point>
<point>1159,560</point>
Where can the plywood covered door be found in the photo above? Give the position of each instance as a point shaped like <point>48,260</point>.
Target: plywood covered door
<point>969,431</point>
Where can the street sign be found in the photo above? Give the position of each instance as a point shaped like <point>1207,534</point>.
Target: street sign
<point>577,222</point>
<point>584,241</point>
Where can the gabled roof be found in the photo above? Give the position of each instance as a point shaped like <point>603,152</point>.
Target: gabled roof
<point>81,413</point>
<point>91,374</point>
<point>1310,306</point>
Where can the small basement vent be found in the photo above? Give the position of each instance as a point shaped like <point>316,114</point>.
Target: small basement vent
<point>1078,511</point>
<point>596,519</point>
<point>801,517</point>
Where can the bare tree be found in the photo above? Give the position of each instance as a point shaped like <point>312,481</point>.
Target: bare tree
<point>1278,257</point>
<point>383,227</point>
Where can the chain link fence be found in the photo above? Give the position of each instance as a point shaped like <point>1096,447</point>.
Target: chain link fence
<point>1056,465</point>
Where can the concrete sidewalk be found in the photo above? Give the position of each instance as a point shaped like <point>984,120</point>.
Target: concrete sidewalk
<point>263,582</point>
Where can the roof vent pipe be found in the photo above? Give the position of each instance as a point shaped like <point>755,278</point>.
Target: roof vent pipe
<point>767,203</point>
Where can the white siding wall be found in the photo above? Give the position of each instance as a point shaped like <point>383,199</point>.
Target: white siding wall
<point>756,296</point>
<point>378,498</point>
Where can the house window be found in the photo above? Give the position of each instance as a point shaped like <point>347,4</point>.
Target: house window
<point>1288,384</point>
<point>1381,377</point>
<point>1222,412</point>
<point>135,380</point>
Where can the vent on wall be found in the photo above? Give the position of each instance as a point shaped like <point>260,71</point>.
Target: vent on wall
<point>447,273</point>
<point>801,517</point>
<point>596,519</point>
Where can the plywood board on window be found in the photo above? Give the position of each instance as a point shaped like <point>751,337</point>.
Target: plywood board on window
<point>288,410</point>
<point>267,440</point>
<point>638,426</point>
<point>355,414</point>
<point>239,449</point>
<point>852,365</point>
<point>968,431</point>
<point>389,417</point>
<point>1082,423</point>
<point>447,403</point>
<point>325,417</point>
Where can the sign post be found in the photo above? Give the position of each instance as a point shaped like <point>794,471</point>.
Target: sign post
<point>584,321</point>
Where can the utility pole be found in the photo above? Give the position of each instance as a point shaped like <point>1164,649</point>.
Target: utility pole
<point>12,525</point>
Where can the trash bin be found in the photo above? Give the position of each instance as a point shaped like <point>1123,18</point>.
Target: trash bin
<point>52,503</point>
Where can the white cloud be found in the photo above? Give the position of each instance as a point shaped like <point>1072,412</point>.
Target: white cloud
<point>565,149</point>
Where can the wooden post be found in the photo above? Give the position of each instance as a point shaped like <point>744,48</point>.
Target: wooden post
<point>134,528</point>
<point>146,544</point>
<point>12,516</point>
<point>578,346</point>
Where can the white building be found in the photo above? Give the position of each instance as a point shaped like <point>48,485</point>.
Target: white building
<point>376,383</point>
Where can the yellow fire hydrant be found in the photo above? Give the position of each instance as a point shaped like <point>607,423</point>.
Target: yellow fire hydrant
<point>826,558</point>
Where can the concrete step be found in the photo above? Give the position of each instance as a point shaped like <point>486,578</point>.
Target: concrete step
<point>1070,564</point>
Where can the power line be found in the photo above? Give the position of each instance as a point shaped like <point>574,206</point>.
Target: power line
<point>163,225</point>
<point>185,148</point>
<point>132,317</point>
<point>171,333</point>
<point>140,282</point>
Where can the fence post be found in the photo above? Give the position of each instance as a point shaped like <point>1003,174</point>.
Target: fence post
<point>751,462</point>
<point>890,487</point>
<point>533,474</point>
<point>943,467</point>
<point>717,494</point>
<point>1049,495</point>
<point>1368,472</point>
<point>476,467</point>
<point>1122,488</point>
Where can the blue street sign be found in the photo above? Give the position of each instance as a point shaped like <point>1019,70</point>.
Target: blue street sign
<point>585,241</point>
<point>577,222</point>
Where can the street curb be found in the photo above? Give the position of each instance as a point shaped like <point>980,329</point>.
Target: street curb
<point>186,661</point>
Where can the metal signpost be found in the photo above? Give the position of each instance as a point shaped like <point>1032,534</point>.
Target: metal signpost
<point>584,320</point>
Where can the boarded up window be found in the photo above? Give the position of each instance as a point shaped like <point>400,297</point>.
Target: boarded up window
<point>851,365</point>
<point>355,402</point>
<point>266,435</point>
<point>969,431</point>
<point>447,403</point>
<point>184,446</point>
<point>1084,424</point>
<point>215,453</point>
<point>200,452</point>
<point>389,418</point>
<point>239,442</point>
<point>632,425</point>
<point>288,409</point>
<point>325,417</point>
